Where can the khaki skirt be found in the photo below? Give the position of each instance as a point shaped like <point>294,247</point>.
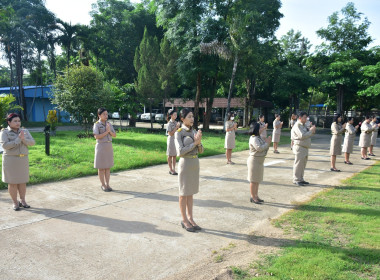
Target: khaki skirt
<point>255,169</point>
<point>374,137</point>
<point>170,149</point>
<point>336,145</point>
<point>348,144</point>
<point>188,176</point>
<point>365,140</point>
<point>15,169</point>
<point>229,141</point>
<point>276,136</point>
<point>103,155</point>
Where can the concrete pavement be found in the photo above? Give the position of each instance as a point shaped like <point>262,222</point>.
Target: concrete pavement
<point>76,231</point>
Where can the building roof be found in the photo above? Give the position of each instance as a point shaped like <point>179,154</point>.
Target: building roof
<point>218,103</point>
<point>30,91</point>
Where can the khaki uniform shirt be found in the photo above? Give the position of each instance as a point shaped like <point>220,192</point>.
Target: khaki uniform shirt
<point>301,136</point>
<point>257,146</point>
<point>12,144</point>
<point>100,128</point>
<point>292,123</point>
<point>336,129</point>
<point>263,132</point>
<point>184,143</point>
<point>170,127</point>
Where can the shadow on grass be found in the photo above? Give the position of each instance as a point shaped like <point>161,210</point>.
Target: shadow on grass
<point>361,255</point>
<point>111,224</point>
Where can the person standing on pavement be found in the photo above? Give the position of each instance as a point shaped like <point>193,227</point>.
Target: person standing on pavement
<point>263,127</point>
<point>258,149</point>
<point>15,167</point>
<point>365,137</point>
<point>349,138</point>
<point>293,121</point>
<point>337,130</point>
<point>302,143</point>
<point>229,141</point>
<point>171,129</point>
<point>277,125</point>
<point>375,132</point>
<point>103,161</point>
<point>188,145</point>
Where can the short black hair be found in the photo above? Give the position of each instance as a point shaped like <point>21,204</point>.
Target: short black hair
<point>366,117</point>
<point>185,112</point>
<point>254,129</point>
<point>336,117</point>
<point>350,118</point>
<point>302,114</point>
<point>11,116</point>
<point>101,110</point>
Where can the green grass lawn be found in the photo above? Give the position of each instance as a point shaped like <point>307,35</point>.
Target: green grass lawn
<point>72,157</point>
<point>338,235</point>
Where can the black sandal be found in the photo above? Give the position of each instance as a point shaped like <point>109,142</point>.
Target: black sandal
<point>105,189</point>
<point>23,205</point>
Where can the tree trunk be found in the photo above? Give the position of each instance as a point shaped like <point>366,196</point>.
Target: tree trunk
<point>339,103</point>
<point>197,100</point>
<point>150,113</point>
<point>236,60</point>
<point>19,72</point>
<point>310,100</point>
<point>210,101</point>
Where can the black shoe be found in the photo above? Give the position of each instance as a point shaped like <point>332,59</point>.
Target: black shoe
<point>305,183</point>
<point>260,200</point>
<point>105,189</point>
<point>190,229</point>
<point>196,227</point>
<point>372,155</point>
<point>367,158</point>
<point>335,170</point>
<point>253,201</point>
<point>348,162</point>
<point>23,205</point>
<point>299,184</point>
<point>16,207</point>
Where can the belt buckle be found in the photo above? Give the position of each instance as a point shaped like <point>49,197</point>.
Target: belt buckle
<point>21,155</point>
<point>194,156</point>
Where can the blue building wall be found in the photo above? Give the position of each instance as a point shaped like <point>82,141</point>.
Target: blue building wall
<point>38,110</point>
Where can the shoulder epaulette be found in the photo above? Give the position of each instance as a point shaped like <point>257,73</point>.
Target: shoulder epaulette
<point>179,129</point>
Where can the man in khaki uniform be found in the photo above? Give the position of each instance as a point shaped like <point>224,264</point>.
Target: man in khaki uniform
<point>301,137</point>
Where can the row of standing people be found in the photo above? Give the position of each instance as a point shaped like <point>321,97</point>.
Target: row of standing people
<point>187,143</point>
<point>369,131</point>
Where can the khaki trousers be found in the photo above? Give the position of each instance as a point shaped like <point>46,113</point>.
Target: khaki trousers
<point>300,160</point>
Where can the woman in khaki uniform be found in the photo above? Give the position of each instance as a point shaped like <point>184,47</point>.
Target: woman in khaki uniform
<point>365,137</point>
<point>293,121</point>
<point>188,145</point>
<point>229,142</point>
<point>277,125</point>
<point>337,130</point>
<point>263,127</point>
<point>375,132</point>
<point>171,129</point>
<point>258,149</point>
<point>349,138</point>
<point>103,133</point>
<point>15,142</point>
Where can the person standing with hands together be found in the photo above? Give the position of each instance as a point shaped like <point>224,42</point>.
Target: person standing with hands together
<point>302,142</point>
<point>337,130</point>
<point>15,142</point>
<point>229,142</point>
<point>349,138</point>
<point>188,145</point>
<point>171,129</point>
<point>277,125</point>
<point>103,133</point>
<point>263,127</point>
<point>375,127</point>
<point>258,149</point>
<point>365,137</point>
